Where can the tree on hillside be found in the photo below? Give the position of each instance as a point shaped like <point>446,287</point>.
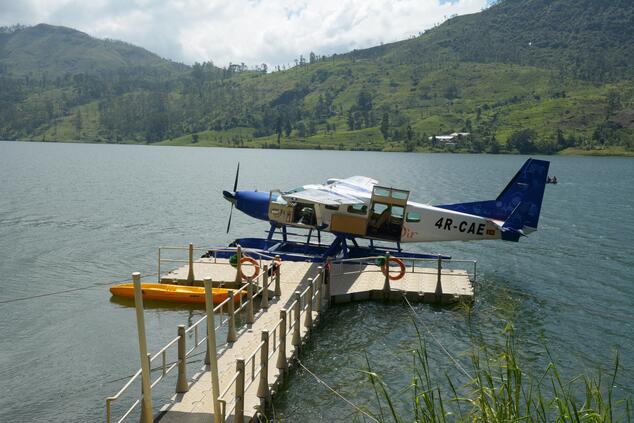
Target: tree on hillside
<point>385,125</point>
<point>78,124</point>
<point>523,141</point>
<point>613,104</point>
<point>451,92</point>
<point>287,127</point>
<point>409,146</point>
<point>278,130</point>
<point>364,100</point>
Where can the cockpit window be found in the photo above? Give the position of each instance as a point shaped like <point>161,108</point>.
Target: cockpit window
<point>276,197</point>
<point>293,191</point>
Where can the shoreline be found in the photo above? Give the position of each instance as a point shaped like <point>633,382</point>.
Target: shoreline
<point>612,151</point>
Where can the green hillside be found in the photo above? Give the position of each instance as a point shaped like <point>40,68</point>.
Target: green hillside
<point>522,76</point>
<point>586,39</point>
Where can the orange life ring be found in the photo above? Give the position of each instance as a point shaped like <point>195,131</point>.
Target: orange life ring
<point>255,264</point>
<point>385,268</point>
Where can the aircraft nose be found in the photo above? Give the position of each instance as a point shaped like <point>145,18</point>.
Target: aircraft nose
<point>229,196</point>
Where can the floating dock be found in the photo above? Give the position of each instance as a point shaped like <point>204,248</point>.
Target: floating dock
<point>277,316</point>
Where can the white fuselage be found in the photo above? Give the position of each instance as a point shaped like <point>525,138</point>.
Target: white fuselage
<point>417,222</point>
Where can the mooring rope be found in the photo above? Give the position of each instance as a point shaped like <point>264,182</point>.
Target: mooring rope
<point>81,288</point>
<point>442,347</point>
<point>347,401</point>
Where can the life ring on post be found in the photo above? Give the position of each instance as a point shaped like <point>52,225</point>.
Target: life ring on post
<point>255,264</point>
<point>385,268</point>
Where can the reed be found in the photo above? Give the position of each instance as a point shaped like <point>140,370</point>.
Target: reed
<point>498,389</point>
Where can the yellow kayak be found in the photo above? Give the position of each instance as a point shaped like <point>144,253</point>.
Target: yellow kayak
<point>174,293</point>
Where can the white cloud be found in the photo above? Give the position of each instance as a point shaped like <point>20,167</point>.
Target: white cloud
<point>249,31</point>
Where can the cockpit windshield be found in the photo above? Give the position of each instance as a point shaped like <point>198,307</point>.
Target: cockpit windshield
<point>293,191</point>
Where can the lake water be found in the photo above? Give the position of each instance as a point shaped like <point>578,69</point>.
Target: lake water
<point>75,215</point>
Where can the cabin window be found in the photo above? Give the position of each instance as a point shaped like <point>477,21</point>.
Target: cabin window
<point>381,192</point>
<point>358,209</point>
<point>379,208</point>
<point>329,207</point>
<point>399,195</point>
<point>397,212</point>
<point>413,217</point>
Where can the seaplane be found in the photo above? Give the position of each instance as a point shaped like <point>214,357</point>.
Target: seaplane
<point>358,207</point>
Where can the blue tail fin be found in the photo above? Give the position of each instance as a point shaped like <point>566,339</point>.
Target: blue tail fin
<point>520,202</point>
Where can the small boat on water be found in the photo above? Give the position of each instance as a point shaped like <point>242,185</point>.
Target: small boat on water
<point>174,293</point>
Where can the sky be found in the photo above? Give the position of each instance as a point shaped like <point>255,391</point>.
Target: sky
<point>274,32</point>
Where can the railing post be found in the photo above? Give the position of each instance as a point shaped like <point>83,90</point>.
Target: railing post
<point>438,292</point>
<point>263,387</point>
<point>250,316</point>
<point>239,411</point>
<point>190,274</point>
<point>281,350</point>
<point>146,401</point>
<point>265,288</point>
<point>319,283</point>
<point>211,349</point>
<point>386,282</point>
<point>328,280</point>
<point>238,265</point>
<point>308,322</point>
<point>144,413</point>
<point>181,381</point>
<point>232,336</point>
<point>297,339</point>
<point>278,288</point>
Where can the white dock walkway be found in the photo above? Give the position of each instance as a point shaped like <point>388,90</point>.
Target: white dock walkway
<point>196,405</point>
<point>253,363</point>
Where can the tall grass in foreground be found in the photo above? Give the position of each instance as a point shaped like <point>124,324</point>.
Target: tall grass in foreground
<point>498,390</point>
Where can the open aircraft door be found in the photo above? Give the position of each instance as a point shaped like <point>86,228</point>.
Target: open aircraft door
<point>279,209</point>
<point>387,212</point>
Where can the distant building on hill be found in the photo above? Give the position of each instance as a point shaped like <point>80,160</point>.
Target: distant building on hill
<point>449,140</point>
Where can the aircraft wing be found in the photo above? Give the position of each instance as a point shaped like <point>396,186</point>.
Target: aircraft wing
<point>357,183</point>
<point>322,196</point>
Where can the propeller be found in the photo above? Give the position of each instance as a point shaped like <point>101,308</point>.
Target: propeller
<point>232,197</point>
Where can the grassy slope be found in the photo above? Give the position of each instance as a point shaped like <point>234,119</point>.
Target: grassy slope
<point>510,97</point>
<point>514,97</point>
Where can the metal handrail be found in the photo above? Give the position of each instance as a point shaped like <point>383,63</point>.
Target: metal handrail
<point>162,353</point>
<point>251,358</point>
<point>274,334</point>
<point>221,397</point>
<point>410,269</point>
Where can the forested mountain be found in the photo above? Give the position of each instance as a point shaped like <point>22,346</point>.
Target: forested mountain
<point>586,39</point>
<point>523,75</point>
<point>55,51</point>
